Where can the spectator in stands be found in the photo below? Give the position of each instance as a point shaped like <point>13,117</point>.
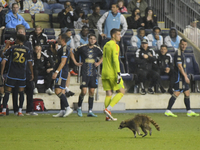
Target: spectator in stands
<point>94,17</point>
<point>42,66</point>
<point>135,21</point>
<point>15,1</point>
<point>13,18</point>
<point>33,7</point>
<point>145,60</point>
<point>173,39</point>
<point>155,39</point>
<point>192,32</point>
<point>122,8</point>
<point>38,37</point>
<point>141,4</point>
<point>137,39</point>
<point>52,4</point>
<point>82,37</point>
<point>82,20</point>
<point>111,19</point>
<point>2,17</point>
<point>150,19</point>
<point>67,17</point>
<point>165,66</point>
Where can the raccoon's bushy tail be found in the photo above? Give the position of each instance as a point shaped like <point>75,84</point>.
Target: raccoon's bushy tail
<point>155,124</point>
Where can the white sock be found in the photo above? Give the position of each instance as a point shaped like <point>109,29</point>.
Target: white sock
<point>90,111</point>
<point>109,108</point>
<point>79,107</point>
<point>67,89</point>
<point>62,111</point>
<point>20,110</point>
<point>68,108</point>
<point>167,111</point>
<point>4,110</point>
<point>189,111</point>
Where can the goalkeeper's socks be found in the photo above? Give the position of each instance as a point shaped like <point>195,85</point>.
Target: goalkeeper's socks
<point>109,108</point>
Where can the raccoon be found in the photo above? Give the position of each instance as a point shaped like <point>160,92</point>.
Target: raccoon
<point>139,120</point>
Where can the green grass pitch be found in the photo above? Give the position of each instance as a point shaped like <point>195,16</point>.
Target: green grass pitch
<point>82,133</point>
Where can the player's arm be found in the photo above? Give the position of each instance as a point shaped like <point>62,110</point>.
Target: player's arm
<point>31,69</point>
<point>73,58</point>
<point>3,64</point>
<point>183,72</point>
<point>115,56</point>
<point>61,65</point>
<point>99,62</point>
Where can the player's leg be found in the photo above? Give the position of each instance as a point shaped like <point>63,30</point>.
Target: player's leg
<point>190,113</point>
<point>80,100</point>
<point>48,81</point>
<point>21,100</point>
<point>90,103</point>
<point>15,91</point>
<point>68,93</point>
<point>5,100</point>
<point>1,88</point>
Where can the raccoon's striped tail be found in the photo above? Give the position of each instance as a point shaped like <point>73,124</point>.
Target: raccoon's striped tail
<point>155,124</point>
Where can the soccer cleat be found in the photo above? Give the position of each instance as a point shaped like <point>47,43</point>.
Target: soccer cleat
<point>73,73</point>
<point>35,91</point>
<point>170,90</point>
<point>31,114</point>
<point>16,113</point>
<point>150,91</point>
<point>108,119</point>
<point>90,114</point>
<point>68,94</point>
<point>68,112</point>
<point>60,114</point>
<point>49,91</point>
<point>109,115</point>
<point>162,89</point>
<point>20,114</point>
<point>2,113</point>
<point>192,114</point>
<point>143,92</point>
<point>79,112</point>
<point>170,114</point>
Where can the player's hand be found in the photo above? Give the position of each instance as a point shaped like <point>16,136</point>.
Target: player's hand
<point>2,78</point>
<point>32,77</point>
<point>49,70</point>
<point>96,64</point>
<point>103,36</point>
<point>54,75</point>
<point>167,70</point>
<point>145,56</point>
<point>187,80</point>
<point>118,77</point>
<point>78,64</point>
<point>157,37</point>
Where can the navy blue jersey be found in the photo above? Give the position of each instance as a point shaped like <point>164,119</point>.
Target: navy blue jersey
<point>18,57</point>
<point>179,58</point>
<point>63,52</point>
<point>88,57</point>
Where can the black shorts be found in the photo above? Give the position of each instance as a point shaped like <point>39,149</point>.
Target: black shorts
<point>60,83</point>
<point>89,81</point>
<point>181,86</point>
<point>15,83</point>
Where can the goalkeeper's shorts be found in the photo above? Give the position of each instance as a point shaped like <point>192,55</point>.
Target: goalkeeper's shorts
<point>111,84</point>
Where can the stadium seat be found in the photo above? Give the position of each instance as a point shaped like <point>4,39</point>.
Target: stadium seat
<point>42,19</point>
<point>8,33</point>
<point>130,62</point>
<point>170,49</point>
<point>148,31</point>
<point>71,1</point>
<point>56,11</point>
<point>55,22</point>
<point>164,33</point>
<point>126,15</point>
<point>154,48</point>
<point>127,39</point>
<point>189,49</point>
<point>49,31</point>
<point>28,31</point>
<point>27,17</point>
<point>122,69</point>
<point>131,49</point>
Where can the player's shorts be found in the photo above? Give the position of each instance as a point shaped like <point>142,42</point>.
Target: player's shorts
<point>15,83</point>
<point>60,83</point>
<point>89,81</point>
<point>111,84</point>
<point>181,86</point>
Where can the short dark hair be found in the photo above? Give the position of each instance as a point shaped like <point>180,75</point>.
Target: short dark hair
<point>38,45</point>
<point>21,37</point>
<point>68,30</point>
<point>91,34</point>
<point>163,46</point>
<point>14,4</point>
<point>64,37</point>
<point>85,27</point>
<point>183,40</point>
<point>115,5</point>
<point>120,1</point>
<point>95,6</point>
<point>114,30</point>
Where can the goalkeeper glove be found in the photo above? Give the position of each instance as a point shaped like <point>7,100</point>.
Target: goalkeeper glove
<point>118,77</point>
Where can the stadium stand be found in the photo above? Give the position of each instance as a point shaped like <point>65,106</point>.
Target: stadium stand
<point>8,33</point>
<point>170,49</point>
<point>55,22</point>
<point>189,49</point>
<point>164,33</point>
<point>127,39</point>
<point>28,31</point>
<point>27,17</point>
<point>42,19</point>
<point>131,49</point>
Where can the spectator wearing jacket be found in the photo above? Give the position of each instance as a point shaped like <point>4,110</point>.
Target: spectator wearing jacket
<point>173,39</point>
<point>136,40</point>
<point>135,21</point>
<point>38,37</point>
<point>122,8</point>
<point>33,6</point>
<point>82,37</point>
<point>155,39</point>
<point>15,1</point>
<point>94,17</point>
<point>82,20</point>
<point>2,17</point>
<point>146,61</point>
<point>150,19</point>
<point>13,18</point>
<point>67,17</point>
<point>141,4</point>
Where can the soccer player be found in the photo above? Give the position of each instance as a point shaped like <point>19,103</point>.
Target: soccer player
<point>181,81</point>
<point>18,57</point>
<point>61,74</point>
<point>111,76</point>
<point>89,53</point>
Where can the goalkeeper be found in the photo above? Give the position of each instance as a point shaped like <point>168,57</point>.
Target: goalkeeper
<point>111,77</point>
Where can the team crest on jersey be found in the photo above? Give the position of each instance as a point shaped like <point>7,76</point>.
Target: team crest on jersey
<point>149,53</point>
<point>166,61</point>
<point>41,41</point>
<point>90,56</point>
<point>19,19</point>
<point>42,58</point>
<point>83,83</point>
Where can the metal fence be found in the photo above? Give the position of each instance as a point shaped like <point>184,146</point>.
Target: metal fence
<point>176,13</point>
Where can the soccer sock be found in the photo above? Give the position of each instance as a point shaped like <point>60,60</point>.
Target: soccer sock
<point>21,99</point>
<point>5,99</point>
<point>67,89</point>
<point>171,101</point>
<point>63,99</point>
<point>107,101</point>
<point>1,96</point>
<point>80,100</point>
<point>4,110</point>
<point>116,99</point>
<point>187,102</point>
<point>90,102</point>
<point>20,110</point>
<point>142,85</point>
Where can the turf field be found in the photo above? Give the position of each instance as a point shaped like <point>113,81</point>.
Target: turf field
<point>74,133</point>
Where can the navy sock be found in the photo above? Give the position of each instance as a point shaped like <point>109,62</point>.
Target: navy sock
<point>63,99</point>
<point>187,102</point>
<point>90,102</point>
<point>5,99</point>
<point>21,99</point>
<point>171,102</point>
<point>80,100</point>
